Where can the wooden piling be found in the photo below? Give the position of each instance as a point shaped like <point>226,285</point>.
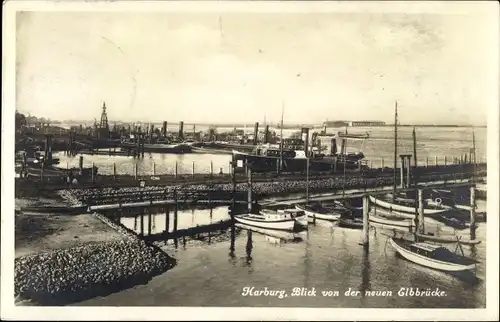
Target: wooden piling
<point>421,226</point>
<point>135,171</point>
<point>383,166</point>
<point>426,162</point>
<point>142,224</point>
<point>114,170</point>
<point>175,170</point>
<point>80,164</point>
<point>402,173</point>
<point>41,171</point>
<point>167,220</point>
<point>211,169</point>
<point>175,212</point>
<point>473,212</point>
<point>193,170</point>
<point>445,160</point>
<point>408,172</point>
<point>93,173</point>
<point>154,168</point>
<point>366,224</point>
<point>249,187</point>
<point>150,221</point>
<point>436,160</point>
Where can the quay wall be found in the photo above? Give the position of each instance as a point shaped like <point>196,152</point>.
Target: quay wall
<point>66,276</point>
<point>220,191</point>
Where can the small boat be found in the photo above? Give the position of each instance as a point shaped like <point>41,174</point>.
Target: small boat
<point>447,239</point>
<point>319,212</point>
<point>353,223</point>
<point>405,205</point>
<point>432,256</point>
<point>287,219</point>
<point>391,221</point>
<point>281,235</point>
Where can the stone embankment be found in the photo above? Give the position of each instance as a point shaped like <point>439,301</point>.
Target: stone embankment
<point>269,188</point>
<point>63,276</point>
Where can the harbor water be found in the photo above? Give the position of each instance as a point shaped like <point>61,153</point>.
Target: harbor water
<point>432,142</point>
<point>222,271</point>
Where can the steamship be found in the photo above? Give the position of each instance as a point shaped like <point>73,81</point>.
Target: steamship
<point>266,157</point>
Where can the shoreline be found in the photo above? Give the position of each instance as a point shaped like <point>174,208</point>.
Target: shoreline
<point>62,259</point>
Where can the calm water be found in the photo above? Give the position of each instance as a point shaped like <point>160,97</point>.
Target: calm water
<point>324,257</point>
<point>431,142</point>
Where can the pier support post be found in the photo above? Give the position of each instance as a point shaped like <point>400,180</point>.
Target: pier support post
<point>249,177</point>
<point>473,212</point>
<point>167,220</point>
<point>154,168</point>
<point>445,160</point>
<point>211,169</point>
<point>175,170</point>
<point>426,162</point>
<point>150,221</point>
<point>366,224</point>
<point>80,164</point>
<point>175,213</point>
<point>93,172</point>
<point>142,224</point>
<point>114,170</point>
<point>421,226</point>
<point>383,166</point>
<point>135,171</point>
<point>408,171</point>
<point>402,174</point>
<point>436,160</point>
<point>41,171</point>
<point>193,170</point>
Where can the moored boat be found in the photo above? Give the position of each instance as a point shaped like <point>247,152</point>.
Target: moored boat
<point>282,235</point>
<point>352,223</point>
<point>447,239</point>
<point>432,256</point>
<point>316,211</point>
<point>391,221</point>
<point>287,219</point>
<point>405,206</point>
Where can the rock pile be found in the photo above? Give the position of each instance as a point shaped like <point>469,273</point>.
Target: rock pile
<point>69,275</point>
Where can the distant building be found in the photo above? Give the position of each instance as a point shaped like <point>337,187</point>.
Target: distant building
<point>366,123</point>
<point>335,123</point>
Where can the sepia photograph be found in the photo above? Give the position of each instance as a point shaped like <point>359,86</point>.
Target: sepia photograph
<point>250,160</point>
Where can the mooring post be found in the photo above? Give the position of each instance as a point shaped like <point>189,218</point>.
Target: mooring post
<point>175,212</point>
<point>154,168</point>
<point>150,222</point>
<point>175,170</point>
<point>366,227</point>
<point>211,169</point>
<point>426,162</point>
<point>420,227</point>
<point>80,164</point>
<point>167,219</point>
<point>41,171</point>
<point>402,174</point>
<point>408,171</point>
<point>193,170</point>
<point>142,223</point>
<point>436,160</point>
<point>249,176</point>
<point>114,170</point>
<point>473,212</point>
<point>135,171</point>
<point>93,172</point>
<point>445,160</point>
<point>383,164</point>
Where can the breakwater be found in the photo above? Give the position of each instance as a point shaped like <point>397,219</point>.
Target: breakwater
<point>220,191</point>
<point>65,276</point>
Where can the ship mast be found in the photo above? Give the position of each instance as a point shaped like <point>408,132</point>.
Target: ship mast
<point>395,148</point>
<point>415,182</point>
<point>281,135</point>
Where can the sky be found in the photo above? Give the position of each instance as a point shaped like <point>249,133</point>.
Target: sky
<point>246,66</point>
